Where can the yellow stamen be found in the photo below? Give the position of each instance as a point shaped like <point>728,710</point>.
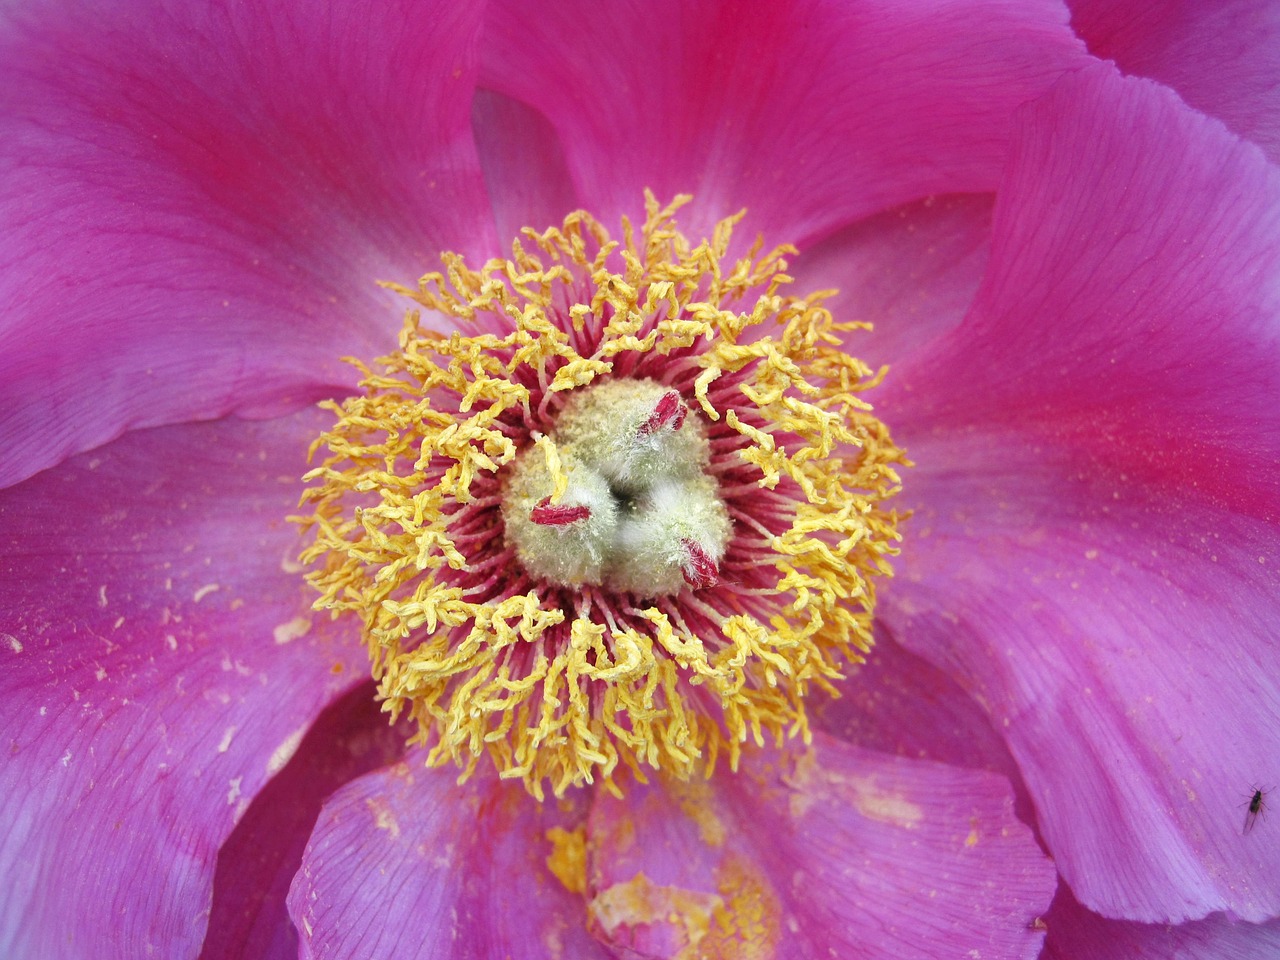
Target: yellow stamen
<point>557,686</point>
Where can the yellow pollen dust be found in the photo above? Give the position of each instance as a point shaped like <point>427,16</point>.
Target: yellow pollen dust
<point>559,685</point>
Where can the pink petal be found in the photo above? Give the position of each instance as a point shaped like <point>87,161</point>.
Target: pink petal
<point>1094,550</point>
<point>832,851</point>
<point>257,863</point>
<point>900,703</point>
<point>1222,56</point>
<point>524,165</point>
<point>405,863</point>
<point>1126,644</point>
<point>811,113</point>
<point>196,202</point>
<point>1131,303</point>
<point>1077,934</point>
<point>911,272</point>
<point>161,664</point>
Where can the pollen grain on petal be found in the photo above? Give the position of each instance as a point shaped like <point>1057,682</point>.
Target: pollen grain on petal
<point>631,512</point>
<point>567,860</point>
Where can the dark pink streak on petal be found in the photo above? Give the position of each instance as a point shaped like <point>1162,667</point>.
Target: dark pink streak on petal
<point>1132,306</point>
<point>160,664</point>
<point>196,202</point>
<point>406,863</point>
<point>1222,56</point>
<point>1077,934</point>
<point>911,272</point>
<point>810,113</point>
<point>1126,644</point>
<point>831,851</point>
<point>257,863</point>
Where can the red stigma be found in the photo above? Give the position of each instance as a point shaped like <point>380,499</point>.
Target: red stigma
<point>670,409</point>
<point>553,515</point>
<point>701,571</point>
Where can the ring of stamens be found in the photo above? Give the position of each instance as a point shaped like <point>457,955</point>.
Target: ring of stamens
<point>561,677</point>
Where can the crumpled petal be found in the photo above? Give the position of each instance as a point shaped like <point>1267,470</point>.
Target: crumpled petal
<point>1222,56</point>
<point>160,663</point>
<point>830,851</point>
<point>406,863</point>
<point>1094,549</point>
<point>810,113</point>
<point>197,200</point>
<point>1077,934</point>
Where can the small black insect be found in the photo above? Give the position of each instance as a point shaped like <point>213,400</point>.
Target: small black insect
<point>1257,805</point>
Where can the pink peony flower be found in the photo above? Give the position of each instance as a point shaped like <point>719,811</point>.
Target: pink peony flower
<point>1065,738</point>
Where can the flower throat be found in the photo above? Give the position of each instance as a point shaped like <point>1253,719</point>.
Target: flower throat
<point>631,513</point>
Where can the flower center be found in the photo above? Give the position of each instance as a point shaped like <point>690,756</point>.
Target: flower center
<point>632,512</point>
<point>619,495</point>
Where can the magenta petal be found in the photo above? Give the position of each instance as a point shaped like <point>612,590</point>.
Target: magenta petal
<point>911,272</point>
<point>406,863</point>
<point>1222,56</point>
<point>524,165</point>
<point>832,851</point>
<point>1131,304</point>
<point>1077,934</point>
<point>810,113</point>
<point>256,865</point>
<point>900,703</point>
<point>160,664</point>
<point>196,202</point>
<point>1127,646</point>
<point>1094,554</point>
